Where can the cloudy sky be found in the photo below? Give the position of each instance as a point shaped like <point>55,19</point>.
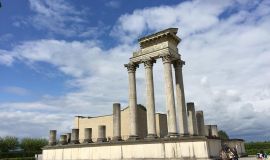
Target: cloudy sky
<point>62,58</point>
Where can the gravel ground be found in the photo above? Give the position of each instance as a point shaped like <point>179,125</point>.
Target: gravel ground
<point>251,158</point>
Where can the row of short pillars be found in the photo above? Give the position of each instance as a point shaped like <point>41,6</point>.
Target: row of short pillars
<point>73,138</point>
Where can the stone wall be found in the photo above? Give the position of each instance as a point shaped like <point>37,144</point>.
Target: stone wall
<point>107,120</point>
<point>188,148</point>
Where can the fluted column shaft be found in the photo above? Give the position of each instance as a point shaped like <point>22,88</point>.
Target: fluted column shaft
<point>180,97</point>
<point>131,67</point>
<point>150,99</point>
<point>170,104</point>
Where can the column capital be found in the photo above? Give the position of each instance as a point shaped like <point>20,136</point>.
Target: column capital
<point>166,58</point>
<point>131,67</point>
<point>148,63</point>
<point>178,63</point>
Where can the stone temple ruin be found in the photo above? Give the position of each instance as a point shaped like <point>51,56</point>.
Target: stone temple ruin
<point>149,135</point>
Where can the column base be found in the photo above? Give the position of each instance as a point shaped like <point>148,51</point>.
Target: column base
<point>101,140</point>
<point>184,135</point>
<point>133,138</point>
<point>151,137</point>
<point>63,143</point>
<point>52,143</point>
<point>87,141</point>
<point>74,142</point>
<point>117,138</point>
<point>172,135</point>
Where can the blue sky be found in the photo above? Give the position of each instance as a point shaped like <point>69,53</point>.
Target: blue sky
<point>62,58</point>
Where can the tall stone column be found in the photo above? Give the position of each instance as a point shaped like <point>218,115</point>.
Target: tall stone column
<point>52,138</point>
<point>192,122</point>
<point>75,136</point>
<point>133,134</point>
<point>170,104</point>
<point>200,123</point>
<point>150,99</point>
<point>180,97</point>
<point>87,135</point>
<point>116,122</point>
<point>101,134</point>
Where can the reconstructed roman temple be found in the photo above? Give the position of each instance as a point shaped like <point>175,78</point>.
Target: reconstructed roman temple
<point>138,132</point>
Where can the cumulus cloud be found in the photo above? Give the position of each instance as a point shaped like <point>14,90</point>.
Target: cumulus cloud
<point>194,17</point>
<point>33,124</point>
<point>225,46</point>
<point>59,17</point>
<point>226,52</point>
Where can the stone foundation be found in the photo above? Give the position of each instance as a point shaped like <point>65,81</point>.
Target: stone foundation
<point>183,148</point>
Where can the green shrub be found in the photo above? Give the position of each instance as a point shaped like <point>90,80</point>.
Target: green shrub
<point>223,135</point>
<point>256,147</point>
<point>17,154</point>
<point>28,148</point>
<point>32,144</point>
<point>8,143</point>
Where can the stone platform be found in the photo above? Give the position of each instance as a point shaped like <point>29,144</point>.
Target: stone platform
<point>180,148</point>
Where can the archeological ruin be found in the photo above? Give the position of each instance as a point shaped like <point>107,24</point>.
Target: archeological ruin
<point>150,135</point>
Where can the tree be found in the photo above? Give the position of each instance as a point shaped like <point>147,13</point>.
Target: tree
<point>8,143</point>
<point>33,144</point>
<point>223,135</point>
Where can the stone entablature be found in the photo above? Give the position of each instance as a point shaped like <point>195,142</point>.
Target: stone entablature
<point>162,36</point>
<point>157,45</point>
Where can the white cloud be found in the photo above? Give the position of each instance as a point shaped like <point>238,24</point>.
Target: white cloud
<point>6,37</point>
<point>33,124</point>
<point>113,4</point>
<point>226,52</point>
<point>15,90</point>
<point>5,58</point>
<point>226,72</point>
<point>59,17</point>
<point>194,17</point>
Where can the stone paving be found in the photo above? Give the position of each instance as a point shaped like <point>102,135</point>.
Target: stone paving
<point>251,158</point>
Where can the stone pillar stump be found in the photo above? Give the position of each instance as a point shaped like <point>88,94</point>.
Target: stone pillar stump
<point>75,136</point>
<point>52,138</point>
